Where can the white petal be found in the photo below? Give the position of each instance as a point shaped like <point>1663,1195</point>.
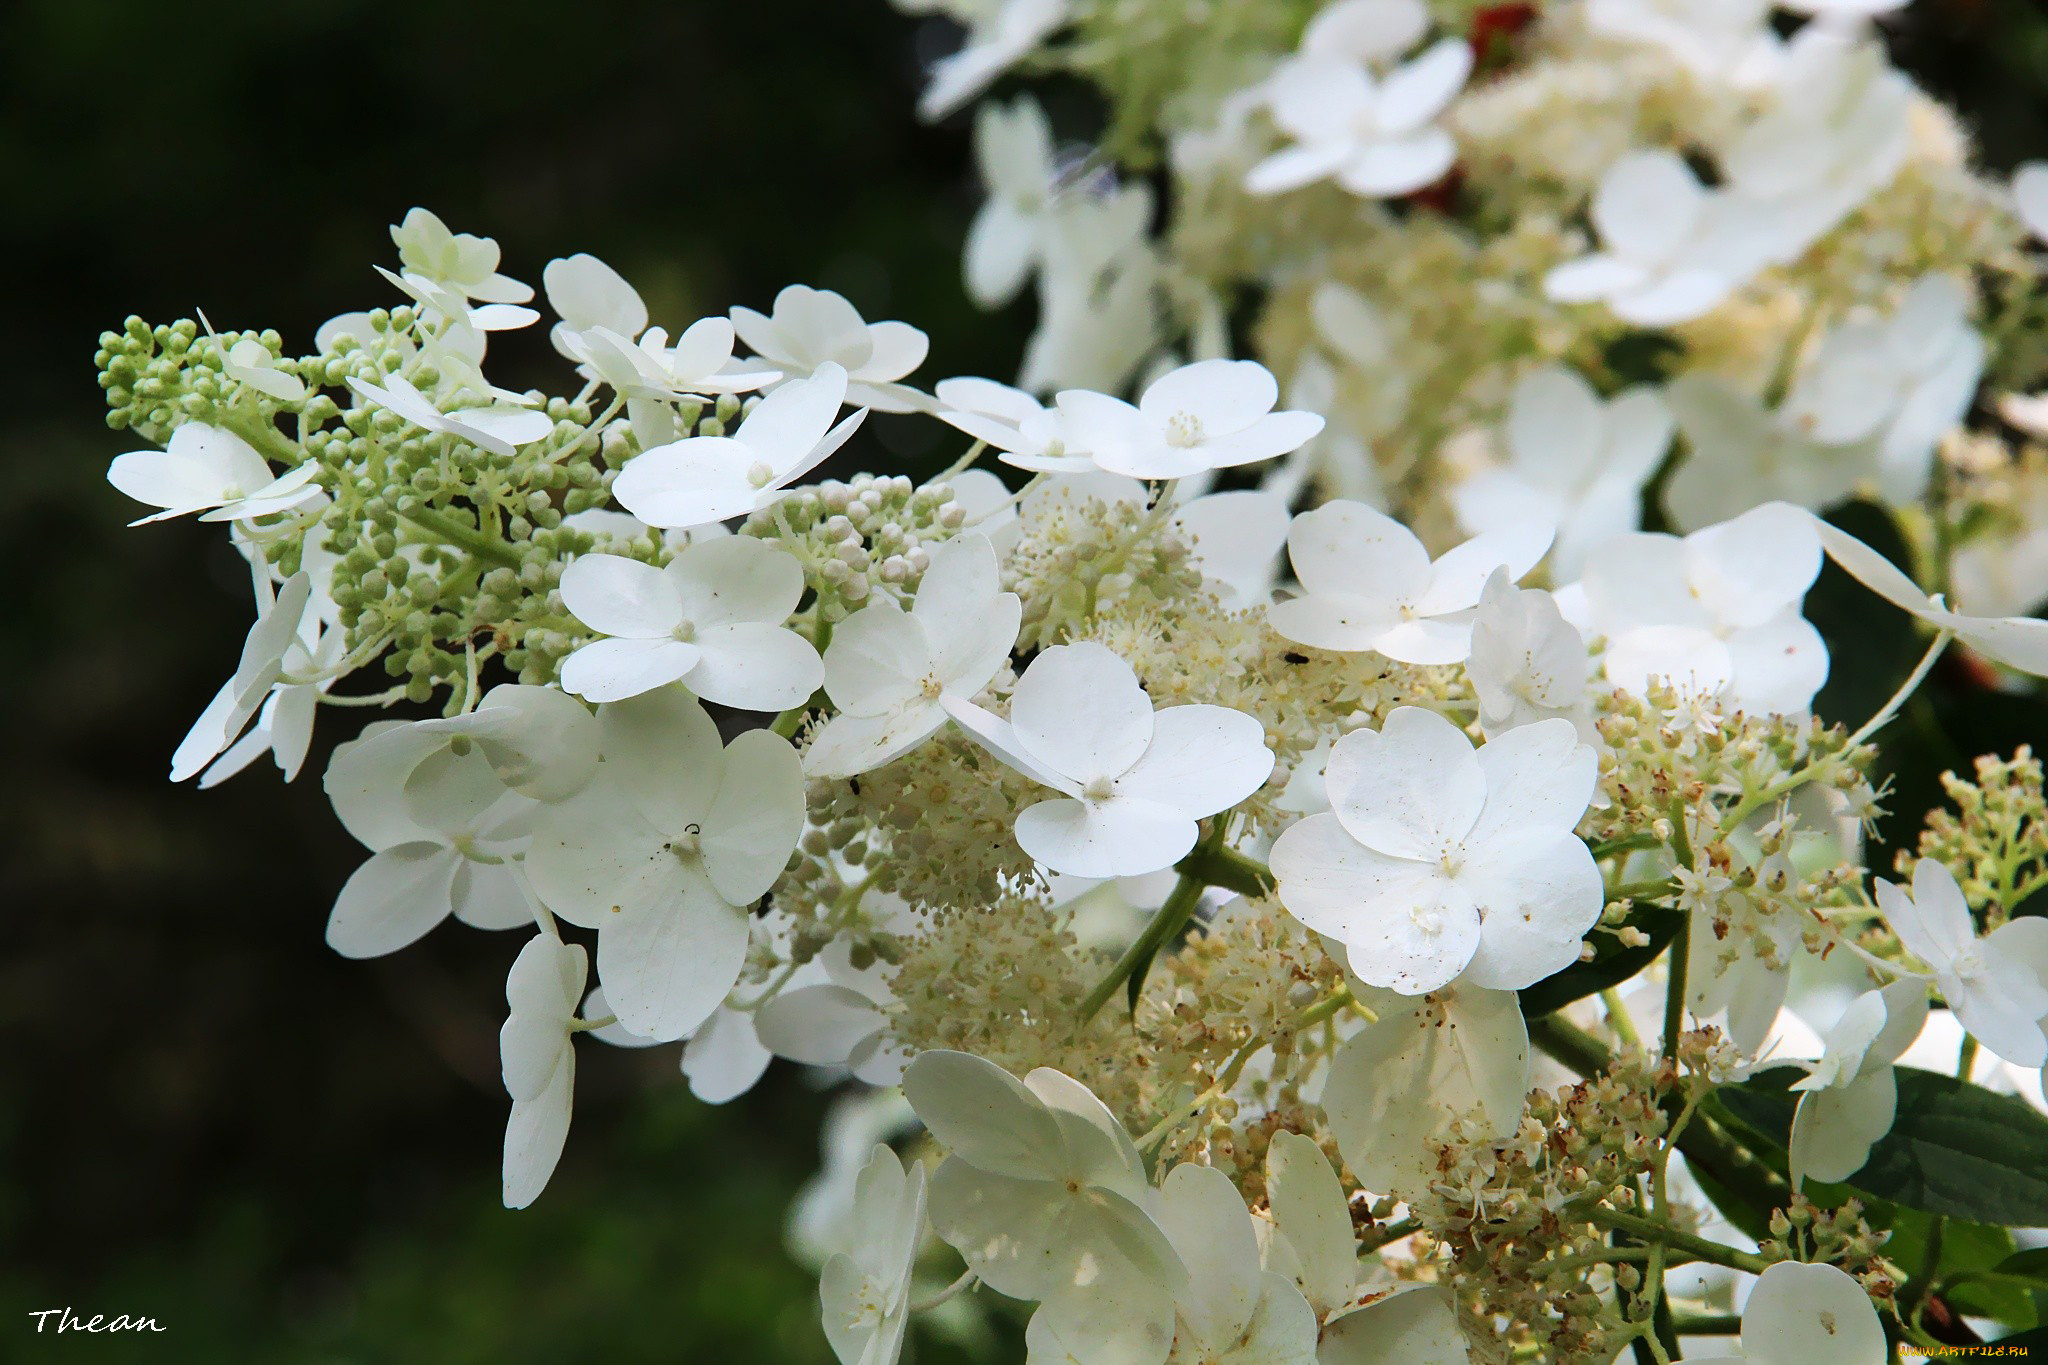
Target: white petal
<point>689,483</point>
<point>614,670</point>
<point>1308,1204</point>
<point>1205,1218</point>
<point>1383,169</point>
<point>1813,1314</point>
<point>729,580</point>
<point>1933,923</point>
<point>847,746</point>
<point>983,1114</point>
<point>755,667</point>
<point>724,1058</point>
<point>667,966</point>
<point>1418,91</point>
<point>877,661</point>
<point>753,826</point>
<point>535,1135</point>
<point>1202,759</point>
<point>392,900</point>
<point>1412,1326</point>
<point>1348,548</point>
<point>1405,926</point>
<point>1120,837</point>
<point>1538,892</point>
<point>1833,1129</point>
<point>1412,789</point>
<point>662,750</point>
<point>816,1025</point>
<point>1221,396</point>
<point>1079,710</point>
<point>1536,775</point>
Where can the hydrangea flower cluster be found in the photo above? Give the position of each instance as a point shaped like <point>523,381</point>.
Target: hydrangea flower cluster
<point>1224,838</point>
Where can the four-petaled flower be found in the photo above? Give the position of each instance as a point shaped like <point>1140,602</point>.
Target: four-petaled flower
<point>1213,414</point>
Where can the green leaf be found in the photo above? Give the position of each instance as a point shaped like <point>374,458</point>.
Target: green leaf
<point>1611,965</point>
<point>2027,1265</point>
<point>1955,1149</point>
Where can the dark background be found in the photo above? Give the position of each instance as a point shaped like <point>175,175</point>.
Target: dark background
<point>205,1116</point>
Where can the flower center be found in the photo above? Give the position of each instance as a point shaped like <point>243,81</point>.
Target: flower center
<point>1099,789</point>
<point>1183,429</point>
<point>759,474</point>
<point>689,845</point>
<point>931,687</point>
<point>685,632</point>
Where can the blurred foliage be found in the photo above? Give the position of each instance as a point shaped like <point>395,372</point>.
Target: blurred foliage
<point>207,1117</point>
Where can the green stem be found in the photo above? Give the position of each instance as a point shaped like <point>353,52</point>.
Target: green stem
<point>1168,920</point>
<point>1388,1235</point>
<point>462,537</point>
<point>1708,1325</point>
<point>1221,866</point>
<point>1699,1248</point>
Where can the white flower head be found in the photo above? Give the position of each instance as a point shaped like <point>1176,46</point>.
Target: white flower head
<point>1024,432</point>
<point>1726,40</point>
<point>701,479</point>
<point>1235,540</point>
<point>865,1289</point>
<point>811,329</point>
<point>1213,414</point>
<point>279,634</point>
<point>1899,385</point>
<point>1801,1314</point>
<point>443,832</point>
<point>1574,460</point>
<point>1014,150</point>
<point>889,671</point>
<point>1740,454</point>
<point>1374,133</point>
<point>1437,862</point>
<point>1715,611</point>
<point>2018,642</point>
<point>1996,985</point>
<point>587,295</point>
<point>1042,1192</point>
<point>1849,1096</point>
<point>213,472</point>
<point>664,851</point>
<point>539,1061</point>
<point>1671,249</point>
<point>1397,1086</point>
<point>1000,34</point>
<point>1528,663</point>
<point>713,620</point>
<point>1135,782</point>
<point>499,428</point>
<point>458,260</point>
<point>1233,1310</point>
<point>451,303</point>
<point>1368,583</point>
<point>249,362</point>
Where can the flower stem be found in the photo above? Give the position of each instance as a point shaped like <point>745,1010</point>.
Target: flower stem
<point>1699,1248</point>
<point>462,537</point>
<point>1168,920</point>
<point>925,1305</point>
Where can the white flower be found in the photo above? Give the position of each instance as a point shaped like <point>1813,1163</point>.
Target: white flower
<point>888,671</point>
<point>1136,781</point>
<point>1901,384</point>
<point>2018,642</point>
<point>664,851</point>
<point>837,1022</point>
<point>1013,148</point>
<point>1718,39</point>
<point>1376,135</point>
<point>538,741</point>
<point>1213,414</point>
<point>586,295</point>
<point>1397,1086</point>
<point>1098,295</point>
<point>284,724</point>
<point>1801,1314</point>
<point>1367,583</point>
<point>539,1061</point>
<point>713,620</point>
<point>2030,197</point>
<point>1528,663</point>
<point>1740,454</point>
<point>865,1289</point>
<point>1313,1243</point>
<point>1997,985</point>
<point>1000,34</point>
<point>500,429</point>
<point>1671,249</point>
<point>451,304</point>
<point>1232,1311</point>
<point>1838,131</point>
<point>456,259</point>
<point>274,637</point>
<point>213,472</point>
<point>702,479</point>
<point>1235,540</point>
<point>1573,460</point>
<point>821,1220</point>
<point>250,362</point>
<point>443,832</point>
<point>1412,1325</point>
<point>1024,432</point>
<point>1042,1192</point>
<point>812,329</point>
<point>1436,862</point>
<point>1716,610</point>
<point>1848,1098</point>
